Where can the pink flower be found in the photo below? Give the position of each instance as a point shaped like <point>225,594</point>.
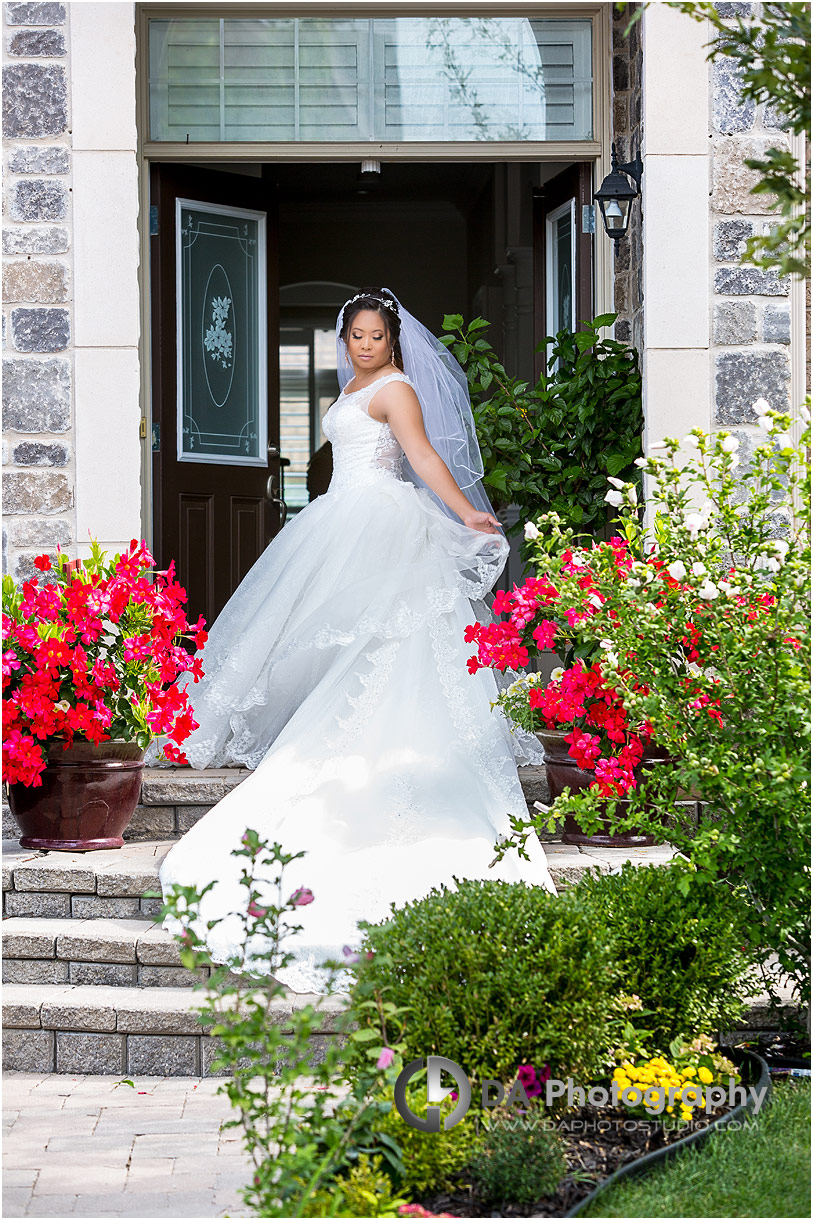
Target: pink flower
<point>385,1058</point>
<point>352,957</point>
<point>301,897</point>
<point>257,912</point>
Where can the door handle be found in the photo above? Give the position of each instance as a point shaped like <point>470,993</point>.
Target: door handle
<point>270,487</point>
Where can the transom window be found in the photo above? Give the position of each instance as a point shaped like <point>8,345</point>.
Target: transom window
<point>379,79</point>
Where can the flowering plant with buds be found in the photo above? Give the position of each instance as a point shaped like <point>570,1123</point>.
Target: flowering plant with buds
<point>307,1115</point>
<point>699,622</point>
<point>93,654</point>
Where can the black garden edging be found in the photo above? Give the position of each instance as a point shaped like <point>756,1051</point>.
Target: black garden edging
<point>759,1078</point>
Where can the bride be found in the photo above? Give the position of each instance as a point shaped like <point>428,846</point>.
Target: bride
<point>337,670</point>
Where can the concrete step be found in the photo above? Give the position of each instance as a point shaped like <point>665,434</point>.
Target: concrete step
<point>97,952</point>
<point>82,885</point>
<point>152,1031</point>
<point>173,799</point>
<point>100,885</point>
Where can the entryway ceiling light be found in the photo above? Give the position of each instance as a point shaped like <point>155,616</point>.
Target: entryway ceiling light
<point>368,177</point>
<point>616,193</point>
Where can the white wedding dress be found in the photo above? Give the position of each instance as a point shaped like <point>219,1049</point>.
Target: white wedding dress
<point>337,673</point>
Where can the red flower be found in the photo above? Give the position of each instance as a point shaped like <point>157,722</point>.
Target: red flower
<point>43,562</point>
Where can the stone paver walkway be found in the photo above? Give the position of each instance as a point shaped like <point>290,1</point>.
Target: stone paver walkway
<point>92,1146</point>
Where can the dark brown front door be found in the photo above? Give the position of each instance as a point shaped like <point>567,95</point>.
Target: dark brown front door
<point>563,254</point>
<point>215,381</point>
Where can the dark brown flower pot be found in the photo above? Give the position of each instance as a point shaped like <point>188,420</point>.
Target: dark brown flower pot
<point>563,773</point>
<point>89,793</point>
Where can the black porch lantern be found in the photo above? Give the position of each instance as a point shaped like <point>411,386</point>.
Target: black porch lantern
<point>616,193</point>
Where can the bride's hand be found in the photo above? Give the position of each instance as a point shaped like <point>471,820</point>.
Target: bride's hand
<point>477,520</point>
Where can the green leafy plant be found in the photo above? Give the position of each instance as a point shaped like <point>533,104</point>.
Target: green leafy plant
<point>518,1163</point>
<point>702,627</point>
<point>681,955</point>
<point>366,1190</point>
<point>433,1161</point>
<point>497,975</point>
<point>305,1127</point>
<point>552,445</point>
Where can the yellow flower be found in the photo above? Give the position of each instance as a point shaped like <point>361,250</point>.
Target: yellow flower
<point>623,1082</point>
<point>670,1109</point>
<point>705,1075</point>
<point>689,1072</point>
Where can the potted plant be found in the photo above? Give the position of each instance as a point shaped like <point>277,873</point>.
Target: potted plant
<point>89,661</point>
<point>579,716</point>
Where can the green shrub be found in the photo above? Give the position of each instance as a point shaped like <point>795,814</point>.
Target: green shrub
<point>432,1160</point>
<point>683,955</point>
<point>515,1165</point>
<point>366,1190</point>
<point>496,975</point>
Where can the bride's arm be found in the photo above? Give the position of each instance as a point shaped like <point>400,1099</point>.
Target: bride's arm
<point>399,405</point>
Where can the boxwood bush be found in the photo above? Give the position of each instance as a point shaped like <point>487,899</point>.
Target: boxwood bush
<point>685,956</point>
<point>496,975</point>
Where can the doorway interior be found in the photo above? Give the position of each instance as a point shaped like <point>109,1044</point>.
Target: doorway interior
<point>475,238</point>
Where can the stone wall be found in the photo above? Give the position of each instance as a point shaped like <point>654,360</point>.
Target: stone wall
<point>751,317</point>
<point>38,449</point>
<point>628,139</point>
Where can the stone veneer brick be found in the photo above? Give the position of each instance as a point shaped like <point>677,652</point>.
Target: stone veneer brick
<point>37,292</point>
<point>750,334</point>
<point>627,135</point>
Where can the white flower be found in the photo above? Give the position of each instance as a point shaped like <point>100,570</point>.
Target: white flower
<point>615,498</point>
<point>726,588</point>
<point>773,565</point>
<point>531,531</point>
<point>805,414</point>
<point>694,670</point>
<point>761,406</point>
<point>578,560</point>
<point>695,522</point>
<point>641,463</point>
<point>733,461</point>
<point>595,600</point>
<point>617,483</point>
<point>657,445</point>
<point>708,591</point>
<point>691,442</point>
<point>780,546</point>
<point>677,570</point>
<point>729,444</point>
<point>63,705</point>
<point>784,440</point>
<point>699,569</point>
<point>611,660</point>
<point>631,495</point>
<point>557,674</point>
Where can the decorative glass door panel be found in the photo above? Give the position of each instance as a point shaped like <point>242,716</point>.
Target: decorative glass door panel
<point>221,334</point>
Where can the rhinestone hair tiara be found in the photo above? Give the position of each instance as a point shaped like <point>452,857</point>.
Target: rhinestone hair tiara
<point>387,302</point>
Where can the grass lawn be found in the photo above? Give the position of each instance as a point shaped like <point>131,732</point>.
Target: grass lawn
<point>761,1172</point>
